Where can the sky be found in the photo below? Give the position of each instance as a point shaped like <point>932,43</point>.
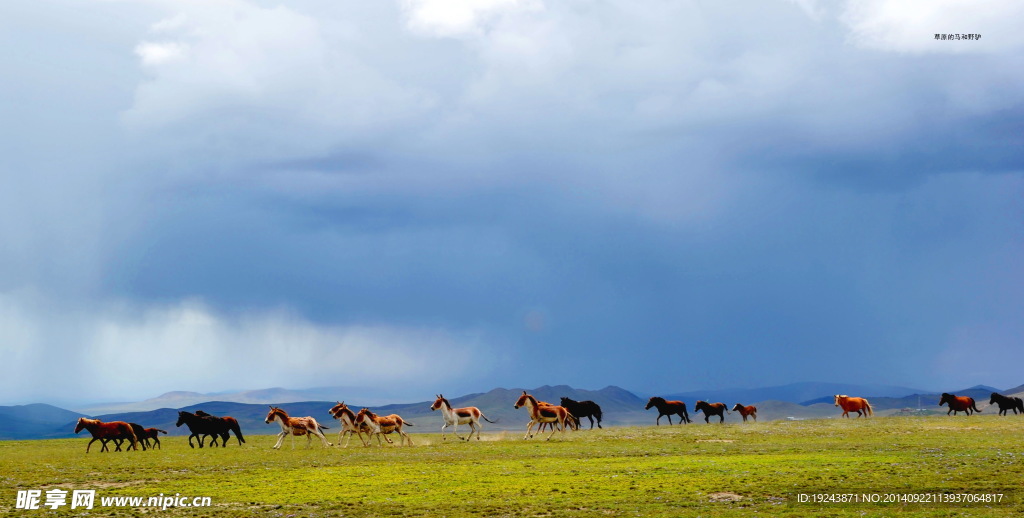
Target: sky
<point>425,196</point>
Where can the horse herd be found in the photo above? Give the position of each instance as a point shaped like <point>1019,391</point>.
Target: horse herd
<point>567,414</point>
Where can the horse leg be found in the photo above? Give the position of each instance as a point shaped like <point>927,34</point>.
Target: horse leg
<point>87,446</point>
<point>721,418</point>
<point>555,429</point>
<point>455,430</point>
<point>528,428</point>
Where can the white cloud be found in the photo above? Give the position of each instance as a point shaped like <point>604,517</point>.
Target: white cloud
<point>158,53</point>
<point>462,18</point>
<point>911,25</point>
<point>124,353</point>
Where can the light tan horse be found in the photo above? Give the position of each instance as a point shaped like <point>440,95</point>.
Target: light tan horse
<point>296,426</point>
<point>854,404</point>
<point>470,415</point>
<point>542,414</point>
<point>381,426</point>
<point>347,417</point>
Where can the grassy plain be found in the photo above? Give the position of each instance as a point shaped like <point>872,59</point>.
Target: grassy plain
<point>697,469</point>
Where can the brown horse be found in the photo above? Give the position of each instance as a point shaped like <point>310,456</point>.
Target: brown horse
<point>104,432</point>
<point>296,426</point>
<point>381,426</point>
<point>745,411</point>
<point>958,404</point>
<point>1007,403</point>
<point>347,418</point>
<point>542,414</point>
<point>854,404</point>
<point>668,408</point>
<point>711,409</point>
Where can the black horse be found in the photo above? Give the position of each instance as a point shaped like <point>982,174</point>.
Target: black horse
<point>206,424</point>
<point>1007,403</point>
<point>711,409</point>
<point>579,409</point>
<point>232,424</point>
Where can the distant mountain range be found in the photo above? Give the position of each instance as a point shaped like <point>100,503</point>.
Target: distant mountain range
<point>620,407</point>
<point>181,399</point>
<point>794,393</point>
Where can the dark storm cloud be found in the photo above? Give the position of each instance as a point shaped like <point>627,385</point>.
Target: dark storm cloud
<point>745,194</point>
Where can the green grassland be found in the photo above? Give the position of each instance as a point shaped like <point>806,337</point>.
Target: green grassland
<point>697,469</point>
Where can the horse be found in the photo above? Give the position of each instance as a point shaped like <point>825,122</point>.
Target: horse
<point>232,425</point>
<point>668,408</point>
<point>381,426</point>
<point>745,411</point>
<point>347,418</point>
<point>711,409</point>
<point>542,414</point>
<point>579,409</point>
<point>296,426</point>
<point>152,433</point>
<point>958,404</point>
<point>206,424</point>
<point>104,432</point>
<point>470,415</point>
<point>854,404</point>
<point>1007,403</point>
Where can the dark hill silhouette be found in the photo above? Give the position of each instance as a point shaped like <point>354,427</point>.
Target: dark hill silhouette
<point>33,421</point>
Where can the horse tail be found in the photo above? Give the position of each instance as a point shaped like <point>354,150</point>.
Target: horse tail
<point>238,431</point>
<point>686,414</point>
<point>482,416</point>
<point>161,431</point>
<point>867,406</point>
<point>597,413</point>
<point>974,405</point>
<point>407,423</point>
<point>1020,403</point>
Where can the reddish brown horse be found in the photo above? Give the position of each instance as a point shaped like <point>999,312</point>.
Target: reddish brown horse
<point>104,432</point>
<point>711,409</point>
<point>854,404</point>
<point>746,411</point>
<point>668,408</point>
<point>958,404</point>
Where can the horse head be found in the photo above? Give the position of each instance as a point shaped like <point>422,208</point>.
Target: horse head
<point>946,398</point>
<point>839,398</point>
<point>653,402</point>
<point>182,415</point>
<point>522,400</point>
<point>437,403</point>
<point>992,401</point>
<point>737,407</point>
<point>566,401</point>
<point>274,414</point>
<point>80,425</point>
